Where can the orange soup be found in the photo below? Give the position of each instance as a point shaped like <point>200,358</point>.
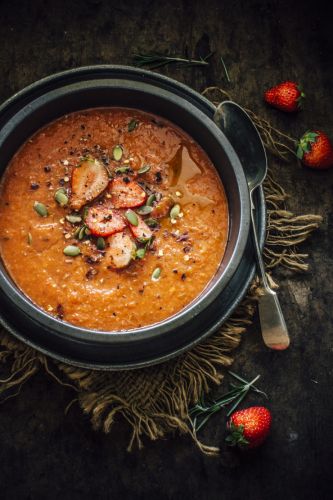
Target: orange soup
<point>112,219</point>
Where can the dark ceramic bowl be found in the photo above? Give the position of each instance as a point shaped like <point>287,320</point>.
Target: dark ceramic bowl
<point>101,86</point>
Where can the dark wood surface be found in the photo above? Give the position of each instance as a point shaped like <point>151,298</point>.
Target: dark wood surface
<point>47,455</point>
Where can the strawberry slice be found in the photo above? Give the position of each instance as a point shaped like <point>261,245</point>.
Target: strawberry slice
<point>162,208</point>
<point>127,194</point>
<point>102,220</point>
<point>120,250</point>
<point>141,232</point>
<point>89,180</point>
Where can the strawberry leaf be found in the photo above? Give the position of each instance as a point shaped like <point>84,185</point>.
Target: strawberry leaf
<point>299,152</point>
<point>236,436</point>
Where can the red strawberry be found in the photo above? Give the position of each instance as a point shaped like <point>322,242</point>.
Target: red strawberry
<point>315,150</point>
<point>141,231</point>
<point>249,428</point>
<point>127,193</point>
<point>286,96</point>
<point>89,179</point>
<point>102,220</point>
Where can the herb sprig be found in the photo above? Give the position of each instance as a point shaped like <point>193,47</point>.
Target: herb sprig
<point>155,60</point>
<point>203,410</point>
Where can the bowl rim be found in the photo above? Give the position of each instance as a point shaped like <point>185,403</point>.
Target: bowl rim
<point>208,295</point>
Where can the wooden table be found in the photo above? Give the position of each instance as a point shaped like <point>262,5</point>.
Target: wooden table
<point>47,455</point>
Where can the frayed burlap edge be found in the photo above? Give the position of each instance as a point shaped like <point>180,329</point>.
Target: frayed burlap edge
<point>155,400</point>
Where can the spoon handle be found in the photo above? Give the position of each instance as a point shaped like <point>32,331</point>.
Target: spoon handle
<point>273,326</point>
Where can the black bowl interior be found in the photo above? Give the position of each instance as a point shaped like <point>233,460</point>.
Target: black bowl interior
<point>140,93</point>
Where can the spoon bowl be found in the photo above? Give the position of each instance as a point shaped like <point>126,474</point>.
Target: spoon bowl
<point>246,140</point>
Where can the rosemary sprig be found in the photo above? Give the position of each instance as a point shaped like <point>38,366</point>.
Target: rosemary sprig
<point>203,410</point>
<point>155,60</point>
<point>225,70</point>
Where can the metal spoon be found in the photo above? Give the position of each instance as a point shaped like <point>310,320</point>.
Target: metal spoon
<point>245,139</point>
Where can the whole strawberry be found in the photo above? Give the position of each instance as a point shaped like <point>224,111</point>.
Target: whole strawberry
<point>249,428</point>
<point>286,96</point>
<point>315,150</point>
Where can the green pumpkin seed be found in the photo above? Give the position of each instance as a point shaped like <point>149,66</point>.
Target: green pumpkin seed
<point>175,211</point>
<point>117,153</point>
<point>140,253</point>
<point>73,219</point>
<point>72,251</point>
<point>149,242</point>
<point>144,169</point>
<point>29,238</point>
<point>145,210</point>
<point>61,197</point>
<point>41,209</point>
<point>100,243</point>
<point>82,232</point>
<point>152,222</point>
<point>85,213</point>
<point>151,200</point>
<point>77,232</point>
<point>122,170</point>
<point>156,274</point>
<point>132,217</point>
<point>132,125</point>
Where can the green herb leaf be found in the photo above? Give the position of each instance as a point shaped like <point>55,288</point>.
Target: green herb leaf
<point>203,410</point>
<point>155,60</point>
<point>225,70</point>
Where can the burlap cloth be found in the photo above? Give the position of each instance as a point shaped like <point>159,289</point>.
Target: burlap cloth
<point>155,401</point>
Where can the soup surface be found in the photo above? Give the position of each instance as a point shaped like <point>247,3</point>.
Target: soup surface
<point>112,219</point>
